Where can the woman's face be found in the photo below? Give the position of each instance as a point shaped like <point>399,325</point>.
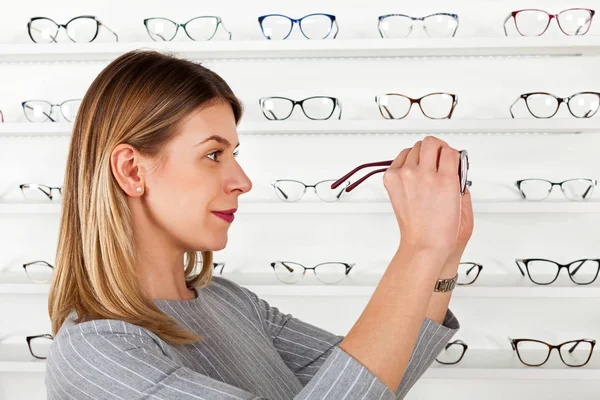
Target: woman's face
<point>197,176</point>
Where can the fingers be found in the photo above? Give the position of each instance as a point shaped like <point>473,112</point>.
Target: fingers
<point>449,161</point>
<point>430,152</point>
<point>413,155</point>
<point>400,159</point>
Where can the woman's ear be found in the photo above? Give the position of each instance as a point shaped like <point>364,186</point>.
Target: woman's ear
<point>125,163</point>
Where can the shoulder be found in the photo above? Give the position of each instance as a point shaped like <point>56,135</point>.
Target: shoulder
<point>92,341</point>
<point>231,292</point>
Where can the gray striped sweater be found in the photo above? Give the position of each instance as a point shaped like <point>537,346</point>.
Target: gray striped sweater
<point>249,350</point>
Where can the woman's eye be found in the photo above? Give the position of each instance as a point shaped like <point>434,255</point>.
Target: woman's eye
<point>218,153</point>
<point>215,154</point>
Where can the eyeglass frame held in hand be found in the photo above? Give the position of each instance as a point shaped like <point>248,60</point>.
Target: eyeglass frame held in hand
<point>463,168</point>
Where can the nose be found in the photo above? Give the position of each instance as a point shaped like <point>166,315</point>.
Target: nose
<point>239,181</point>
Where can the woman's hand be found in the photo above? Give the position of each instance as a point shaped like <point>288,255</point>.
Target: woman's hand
<point>424,189</point>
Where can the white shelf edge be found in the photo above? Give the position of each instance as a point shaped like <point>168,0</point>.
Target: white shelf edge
<point>488,290</point>
<point>339,48</point>
<point>409,126</point>
<point>510,373</point>
<point>437,372</point>
<point>380,207</point>
<point>22,366</point>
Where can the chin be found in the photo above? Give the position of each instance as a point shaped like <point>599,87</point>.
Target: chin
<point>216,245</point>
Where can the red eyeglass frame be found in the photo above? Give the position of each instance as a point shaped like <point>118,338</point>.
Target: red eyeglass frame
<point>463,169</point>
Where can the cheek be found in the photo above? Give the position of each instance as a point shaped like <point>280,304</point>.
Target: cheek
<point>183,193</point>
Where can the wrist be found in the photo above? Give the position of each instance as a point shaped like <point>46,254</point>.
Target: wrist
<point>422,256</point>
<point>450,268</point>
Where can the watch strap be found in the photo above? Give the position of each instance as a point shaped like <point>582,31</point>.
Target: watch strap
<point>445,285</point>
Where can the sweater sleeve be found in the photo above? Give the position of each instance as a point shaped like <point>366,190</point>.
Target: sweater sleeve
<point>107,359</point>
<point>306,348</point>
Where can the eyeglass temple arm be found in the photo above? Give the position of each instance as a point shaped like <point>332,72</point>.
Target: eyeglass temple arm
<point>517,261</point>
<point>588,190</point>
<point>512,105</point>
<point>457,24</point>
<point>349,174</point>
<point>1,116</point>
<point>577,344</point>
<point>389,112</point>
<point>53,37</point>
<point>339,104</point>
<point>504,25</point>
<point>280,191</point>
<point>290,269</point>
<point>223,25</point>
<point>581,27</point>
<point>47,115</point>
<point>337,28</point>
<point>472,268</point>
<point>581,265</point>
<point>110,30</point>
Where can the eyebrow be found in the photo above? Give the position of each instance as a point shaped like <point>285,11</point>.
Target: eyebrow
<point>219,139</point>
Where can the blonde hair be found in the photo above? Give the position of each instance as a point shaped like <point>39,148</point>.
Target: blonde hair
<point>138,99</point>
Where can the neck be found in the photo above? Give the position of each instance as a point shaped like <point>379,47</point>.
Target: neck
<point>159,263</point>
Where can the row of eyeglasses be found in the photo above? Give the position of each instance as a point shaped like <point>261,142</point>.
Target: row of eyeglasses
<point>291,190</point>
<point>438,105</point>
<point>530,352</point>
<point>540,271</point>
<point>527,22</point>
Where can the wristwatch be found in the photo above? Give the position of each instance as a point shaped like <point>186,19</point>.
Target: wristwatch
<point>445,285</point>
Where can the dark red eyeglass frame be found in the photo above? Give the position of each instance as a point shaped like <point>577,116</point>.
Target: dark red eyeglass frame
<point>513,15</point>
<point>1,116</point>
<point>463,168</point>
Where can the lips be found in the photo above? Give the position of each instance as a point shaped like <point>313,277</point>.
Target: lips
<point>230,211</point>
<point>226,215</point>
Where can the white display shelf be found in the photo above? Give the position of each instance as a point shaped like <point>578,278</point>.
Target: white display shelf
<point>358,285</point>
<point>476,364</point>
<point>347,207</point>
<point>339,48</point>
<point>406,126</point>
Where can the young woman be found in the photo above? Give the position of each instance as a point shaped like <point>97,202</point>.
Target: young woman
<point>151,179</point>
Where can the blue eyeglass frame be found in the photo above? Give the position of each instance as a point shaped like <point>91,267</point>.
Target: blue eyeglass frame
<point>298,21</point>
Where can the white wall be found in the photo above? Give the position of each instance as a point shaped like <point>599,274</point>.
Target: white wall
<point>486,86</point>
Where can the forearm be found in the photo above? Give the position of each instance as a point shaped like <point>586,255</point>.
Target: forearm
<point>396,310</point>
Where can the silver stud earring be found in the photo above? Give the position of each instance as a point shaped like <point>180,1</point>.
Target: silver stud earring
<point>139,189</point>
